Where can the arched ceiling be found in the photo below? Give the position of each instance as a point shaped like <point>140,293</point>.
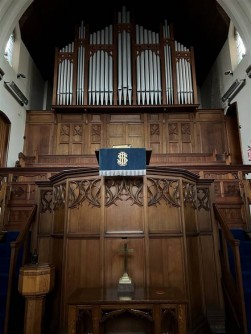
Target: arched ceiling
<point>198,23</point>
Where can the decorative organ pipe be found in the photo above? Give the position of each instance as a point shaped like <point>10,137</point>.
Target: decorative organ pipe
<point>81,66</point>
<point>184,76</point>
<point>168,65</point>
<point>148,67</point>
<point>65,76</point>
<point>124,59</point>
<point>124,65</point>
<point>100,68</point>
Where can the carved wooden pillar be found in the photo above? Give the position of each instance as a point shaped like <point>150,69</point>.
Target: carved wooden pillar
<point>35,281</point>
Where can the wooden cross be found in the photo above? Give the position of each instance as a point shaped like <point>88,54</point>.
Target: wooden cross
<point>126,252</point>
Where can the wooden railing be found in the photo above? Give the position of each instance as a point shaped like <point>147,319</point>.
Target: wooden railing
<point>20,245</point>
<point>231,272</point>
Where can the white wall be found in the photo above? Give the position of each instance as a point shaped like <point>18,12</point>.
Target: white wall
<point>216,85</point>
<point>32,86</point>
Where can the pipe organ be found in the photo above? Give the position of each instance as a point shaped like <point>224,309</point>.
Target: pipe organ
<point>124,64</point>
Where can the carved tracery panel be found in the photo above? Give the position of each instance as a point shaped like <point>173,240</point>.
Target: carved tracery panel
<point>124,189</point>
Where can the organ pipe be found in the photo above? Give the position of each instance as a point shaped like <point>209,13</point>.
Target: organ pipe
<point>91,62</point>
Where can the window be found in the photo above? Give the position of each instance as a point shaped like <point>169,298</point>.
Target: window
<point>8,53</point>
<point>241,50</point>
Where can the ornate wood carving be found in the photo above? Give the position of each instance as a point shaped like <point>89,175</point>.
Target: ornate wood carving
<point>46,203</point>
<point>84,190</point>
<point>65,133</point>
<point>186,131</point>
<point>123,189</point>
<point>59,194</point>
<point>221,175</point>
<point>173,131</point>
<point>163,190</point>
<point>96,133</point>
<point>77,132</point>
<point>189,193</point>
<point>203,199</point>
<point>231,188</point>
<point>154,129</point>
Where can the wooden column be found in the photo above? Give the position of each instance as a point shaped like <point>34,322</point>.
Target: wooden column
<point>35,281</point>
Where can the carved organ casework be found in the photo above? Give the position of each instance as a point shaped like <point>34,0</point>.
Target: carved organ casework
<point>124,64</point>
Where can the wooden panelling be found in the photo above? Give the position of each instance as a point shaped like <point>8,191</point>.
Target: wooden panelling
<point>124,205</point>
<point>165,133</point>
<point>212,137</point>
<point>166,262</point>
<point>124,217</point>
<point>45,249</point>
<point>204,218</point>
<point>189,206</point>
<point>194,279</point>
<point>45,212</point>
<point>85,219</point>
<point>40,139</point>
<point>211,280</point>
<point>209,115</point>
<point>40,117</point>
<point>59,221</point>
<point>163,205</point>
<point>84,206</point>
<point>82,266</point>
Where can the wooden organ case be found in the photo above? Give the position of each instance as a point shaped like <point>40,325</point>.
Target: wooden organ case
<point>126,84</point>
<point>124,65</point>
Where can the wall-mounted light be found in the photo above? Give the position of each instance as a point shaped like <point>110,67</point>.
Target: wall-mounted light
<point>229,73</point>
<point>1,74</point>
<point>248,71</point>
<point>21,75</point>
<point>16,92</point>
<point>233,90</point>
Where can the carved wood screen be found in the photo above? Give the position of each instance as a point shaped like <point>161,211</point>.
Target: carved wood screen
<point>180,133</point>
<point>159,217</point>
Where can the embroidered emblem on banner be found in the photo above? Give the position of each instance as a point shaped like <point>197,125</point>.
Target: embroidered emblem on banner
<point>122,159</point>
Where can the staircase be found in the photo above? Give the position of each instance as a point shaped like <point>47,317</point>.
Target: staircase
<point>5,253</point>
<point>245,256</point>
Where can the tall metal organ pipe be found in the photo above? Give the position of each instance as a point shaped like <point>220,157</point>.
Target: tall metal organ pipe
<point>99,79</point>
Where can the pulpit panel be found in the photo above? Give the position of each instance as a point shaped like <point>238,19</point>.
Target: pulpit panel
<point>82,264</point>
<point>211,283</point>
<point>194,281</point>
<point>124,205</point>
<point>59,195</point>
<point>166,262</point>
<point>163,205</point>
<point>84,206</point>
<point>190,205</point>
